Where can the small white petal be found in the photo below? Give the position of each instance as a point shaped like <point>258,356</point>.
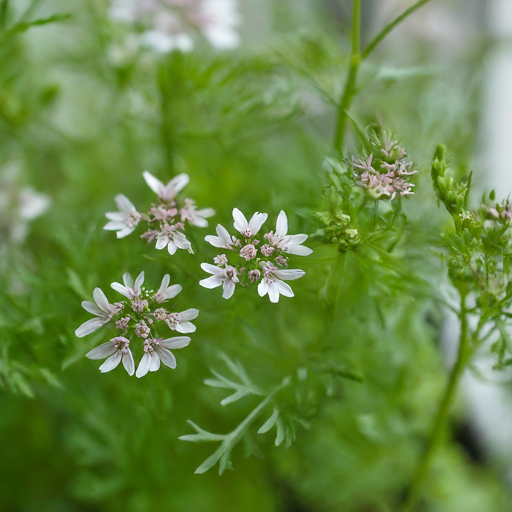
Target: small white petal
<point>165,283</point>
<point>128,280</point>
<point>216,241</point>
<point>211,282</point>
<point>263,288</point>
<point>115,225</point>
<point>111,362</point>
<point>118,287</point>
<point>298,250</point>
<point>282,224</point>
<point>257,221</point>
<point>290,274</point>
<point>229,289</point>
<point>240,223</point>
<point>185,327</point>
<point>283,288</point>
<point>181,241</point>
<point>297,239</point>
<point>102,351</point>
<point>189,314</point>
<point>154,184</point>
<point>90,307</point>
<point>176,342</point>
<point>101,299</point>
<point>211,269</point>
<point>138,282</point>
<point>273,293</point>
<point>124,204</point>
<point>128,363</point>
<point>172,247</point>
<point>89,327</point>
<point>167,357</point>
<point>125,232</point>
<point>116,217</point>
<point>172,291</point>
<point>178,183</point>
<point>144,365</point>
<point>162,242</point>
<point>155,362</point>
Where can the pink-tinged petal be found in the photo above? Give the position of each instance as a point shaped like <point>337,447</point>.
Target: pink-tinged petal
<point>90,307</point>
<point>102,351</point>
<point>283,288</point>
<point>211,282</point>
<point>162,242</point>
<point>128,363</point>
<point>212,269</point>
<point>138,282</point>
<point>172,247</point>
<point>178,183</point>
<point>257,221</point>
<point>263,288</point>
<point>128,280</point>
<point>167,357</point>
<point>290,274</point>
<point>172,291</point>
<point>116,217</point>
<point>205,213</point>
<point>118,287</point>
<point>89,327</point>
<point>273,293</point>
<point>185,327</point>
<point>155,362</point>
<point>224,234</point>
<point>282,224</point>
<point>189,314</point>
<point>124,204</point>
<point>144,365</point>
<point>240,220</point>
<point>216,241</point>
<point>125,232</point>
<point>176,342</point>
<point>155,185</point>
<point>111,362</point>
<point>298,250</point>
<point>200,222</point>
<point>229,289</point>
<point>115,225</point>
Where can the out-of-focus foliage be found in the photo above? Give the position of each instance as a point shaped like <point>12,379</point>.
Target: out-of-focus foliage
<point>321,402</point>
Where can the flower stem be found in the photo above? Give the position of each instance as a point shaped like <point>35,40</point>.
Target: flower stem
<point>456,372</point>
<point>350,85</point>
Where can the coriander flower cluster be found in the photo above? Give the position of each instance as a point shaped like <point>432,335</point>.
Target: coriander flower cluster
<point>250,260</point>
<point>385,173</point>
<point>166,220</point>
<point>171,24</point>
<point>138,317</point>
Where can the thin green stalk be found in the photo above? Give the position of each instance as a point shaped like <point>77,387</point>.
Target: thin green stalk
<point>440,419</point>
<point>350,85</point>
<point>377,40</point>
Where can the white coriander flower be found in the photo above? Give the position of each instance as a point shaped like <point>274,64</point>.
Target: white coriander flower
<point>102,309</point>
<point>181,321</point>
<point>190,213</point>
<point>287,243</point>
<point>227,277</point>
<point>129,290</point>
<point>248,229</point>
<point>166,192</point>
<point>271,282</point>
<point>156,350</point>
<point>117,350</point>
<point>173,240</point>
<point>125,220</point>
<point>223,240</point>
<point>165,291</point>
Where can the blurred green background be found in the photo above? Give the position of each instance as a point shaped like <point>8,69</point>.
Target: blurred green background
<point>81,120</point>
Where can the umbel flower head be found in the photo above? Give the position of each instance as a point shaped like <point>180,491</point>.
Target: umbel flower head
<point>166,219</point>
<point>250,261</point>
<point>171,24</point>
<point>384,173</point>
<point>138,318</point>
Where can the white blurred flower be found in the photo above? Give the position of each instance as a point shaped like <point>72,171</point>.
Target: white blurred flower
<point>156,350</point>
<point>125,220</point>
<point>166,192</point>
<point>248,229</point>
<point>290,244</point>
<point>181,321</point>
<point>190,213</point>
<point>102,309</point>
<point>223,240</point>
<point>117,350</point>
<point>173,239</point>
<point>271,282</point>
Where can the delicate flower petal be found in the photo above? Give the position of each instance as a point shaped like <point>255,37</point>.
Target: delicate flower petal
<point>155,362</point>
<point>178,183</point>
<point>144,365</point>
<point>211,269</point>
<point>102,351</point>
<point>172,247</point>
<point>211,282</point>
<point>215,241</point>
<point>189,314</point>
<point>165,283</point>
<point>138,282</point>
<point>273,293</point>
<point>282,224</point>
<point>185,327</point>
<point>263,288</point>
<point>111,362</point>
<point>172,291</point>
<point>162,242</point>
<point>298,250</point>
<point>125,232</point>
<point>89,327</point>
<point>283,288</point>
<point>124,204</point>
<point>166,357</point>
<point>290,274</point>
<point>90,307</point>
<point>181,241</point>
<point>240,223</point>
<point>115,225</point>
<point>154,184</point>
<point>118,287</point>
<point>116,217</point>
<point>176,342</point>
<point>101,299</point>
<point>257,221</point>
<point>229,289</point>
<point>297,239</point>
<point>128,363</point>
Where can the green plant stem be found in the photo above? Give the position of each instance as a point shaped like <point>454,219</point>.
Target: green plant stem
<point>440,419</point>
<point>350,85</point>
<point>389,28</point>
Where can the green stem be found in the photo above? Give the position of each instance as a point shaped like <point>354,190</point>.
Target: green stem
<point>377,40</point>
<point>350,85</point>
<point>442,412</point>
